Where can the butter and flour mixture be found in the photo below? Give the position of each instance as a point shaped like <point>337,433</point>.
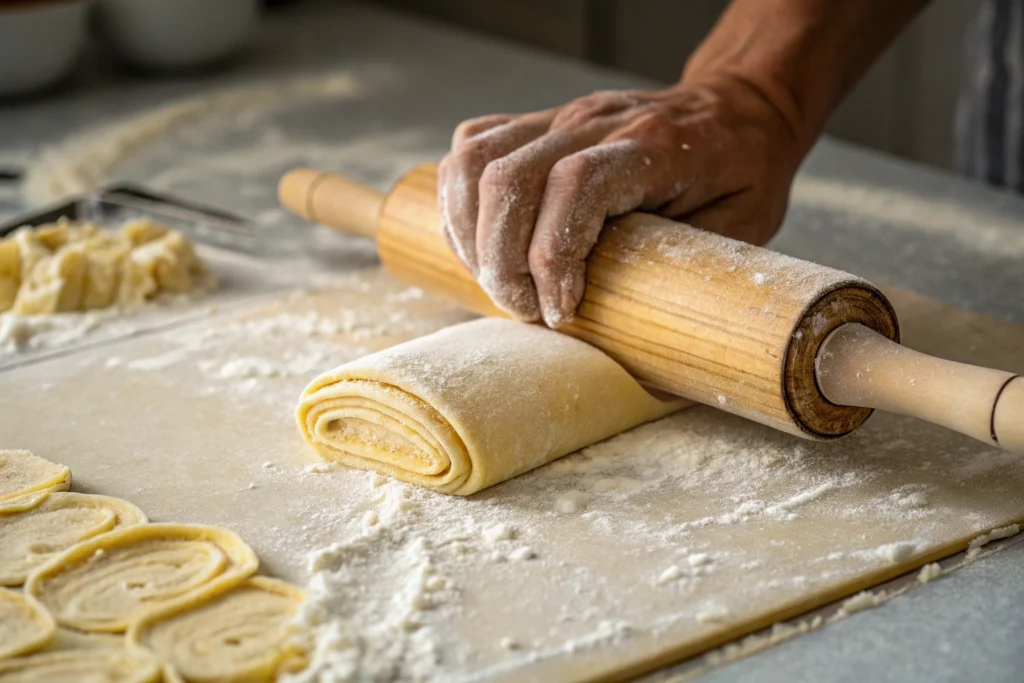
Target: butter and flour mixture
<point>68,266</point>
<point>59,281</point>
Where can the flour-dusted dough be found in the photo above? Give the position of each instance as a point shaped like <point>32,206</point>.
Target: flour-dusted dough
<point>472,405</point>
<point>30,538</point>
<point>99,665</point>
<point>106,582</point>
<point>239,636</point>
<point>25,626</point>
<point>22,473</point>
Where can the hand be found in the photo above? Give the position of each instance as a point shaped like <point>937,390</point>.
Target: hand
<point>523,198</point>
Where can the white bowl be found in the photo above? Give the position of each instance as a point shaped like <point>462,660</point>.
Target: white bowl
<point>39,43</point>
<point>166,35</point>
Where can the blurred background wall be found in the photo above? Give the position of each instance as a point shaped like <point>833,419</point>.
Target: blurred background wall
<point>904,106</point>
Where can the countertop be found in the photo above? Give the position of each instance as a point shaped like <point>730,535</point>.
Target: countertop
<point>398,84</point>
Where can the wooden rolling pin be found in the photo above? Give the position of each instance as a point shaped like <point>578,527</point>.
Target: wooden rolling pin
<point>797,346</point>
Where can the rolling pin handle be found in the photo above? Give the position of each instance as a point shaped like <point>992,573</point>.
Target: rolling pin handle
<point>332,200</point>
<point>856,366</point>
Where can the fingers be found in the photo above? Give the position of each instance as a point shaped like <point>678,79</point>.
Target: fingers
<point>474,145</point>
<point>478,126</point>
<point>511,190</point>
<point>523,198</point>
<point>582,191</point>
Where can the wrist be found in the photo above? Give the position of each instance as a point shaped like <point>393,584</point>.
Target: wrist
<point>803,56</point>
<point>769,57</point>
<point>754,90</point>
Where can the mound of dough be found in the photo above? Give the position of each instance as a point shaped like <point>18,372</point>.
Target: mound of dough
<point>68,266</point>
<point>23,476</point>
<point>106,665</point>
<point>106,582</point>
<point>472,405</point>
<point>24,625</point>
<point>30,538</point>
<point>238,636</point>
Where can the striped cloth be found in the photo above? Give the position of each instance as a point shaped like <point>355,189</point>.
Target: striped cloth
<point>990,113</point>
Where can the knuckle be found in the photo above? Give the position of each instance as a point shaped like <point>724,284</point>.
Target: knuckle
<point>574,172</point>
<point>498,175</point>
<point>469,157</point>
<point>470,128</point>
<point>464,130</point>
<point>588,107</point>
<point>543,261</point>
<point>656,126</point>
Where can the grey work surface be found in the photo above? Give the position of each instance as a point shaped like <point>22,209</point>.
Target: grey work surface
<point>860,211</point>
<point>967,626</point>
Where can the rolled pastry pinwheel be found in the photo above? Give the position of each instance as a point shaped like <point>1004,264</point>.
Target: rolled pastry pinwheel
<point>472,405</point>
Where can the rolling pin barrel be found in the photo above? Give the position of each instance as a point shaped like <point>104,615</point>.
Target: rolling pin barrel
<point>799,347</point>
<point>686,311</point>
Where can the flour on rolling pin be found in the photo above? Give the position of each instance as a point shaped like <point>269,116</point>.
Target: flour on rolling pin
<point>712,255</point>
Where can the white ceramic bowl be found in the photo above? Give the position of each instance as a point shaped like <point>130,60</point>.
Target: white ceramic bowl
<point>39,43</point>
<point>166,35</point>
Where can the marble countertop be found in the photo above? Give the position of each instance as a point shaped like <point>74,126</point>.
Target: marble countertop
<point>368,92</point>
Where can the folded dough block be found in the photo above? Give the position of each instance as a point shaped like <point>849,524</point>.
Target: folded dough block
<point>472,405</point>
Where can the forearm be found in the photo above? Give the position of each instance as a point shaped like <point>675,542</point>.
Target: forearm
<point>803,55</point>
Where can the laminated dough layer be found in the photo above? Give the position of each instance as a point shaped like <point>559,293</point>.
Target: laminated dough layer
<point>106,582</point>
<point>24,625</point>
<point>108,665</point>
<point>31,537</point>
<point>238,636</point>
<point>472,405</point>
<point>23,474</point>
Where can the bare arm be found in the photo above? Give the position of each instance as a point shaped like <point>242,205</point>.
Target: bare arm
<point>804,56</point>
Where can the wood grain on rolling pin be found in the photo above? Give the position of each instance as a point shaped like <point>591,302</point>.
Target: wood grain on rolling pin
<point>696,314</point>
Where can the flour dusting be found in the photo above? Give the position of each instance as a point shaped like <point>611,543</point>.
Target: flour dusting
<point>975,546</point>
<point>83,162</point>
<point>668,531</point>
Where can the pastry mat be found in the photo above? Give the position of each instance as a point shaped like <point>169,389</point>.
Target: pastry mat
<point>644,550</point>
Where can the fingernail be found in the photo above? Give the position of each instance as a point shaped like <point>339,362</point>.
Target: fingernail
<point>554,317</point>
<point>561,308</point>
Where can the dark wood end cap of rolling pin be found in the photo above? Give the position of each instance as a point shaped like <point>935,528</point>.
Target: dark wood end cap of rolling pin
<point>855,301</point>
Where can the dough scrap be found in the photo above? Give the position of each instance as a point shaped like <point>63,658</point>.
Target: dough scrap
<point>106,582</point>
<point>240,635</point>
<point>472,405</point>
<point>30,538</point>
<point>71,266</point>
<point>25,626</point>
<point>22,473</point>
<point>94,665</point>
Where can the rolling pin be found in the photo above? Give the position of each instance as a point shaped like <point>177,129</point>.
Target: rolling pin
<point>797,346</point>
